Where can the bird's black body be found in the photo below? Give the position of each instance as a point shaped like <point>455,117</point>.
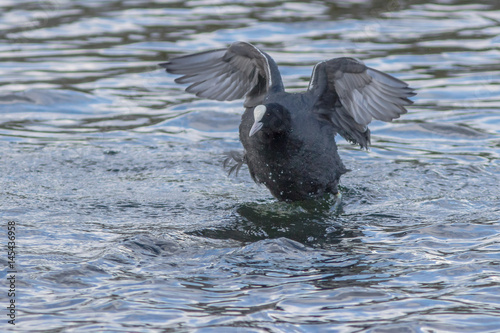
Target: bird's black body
<point>297,162</point>
<point>289,139</point>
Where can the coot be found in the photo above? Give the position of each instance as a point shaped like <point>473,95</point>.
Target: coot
<point>289,138</point>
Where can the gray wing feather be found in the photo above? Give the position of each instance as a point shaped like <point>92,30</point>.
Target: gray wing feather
<point>351,95</point>
<point>225,74</point>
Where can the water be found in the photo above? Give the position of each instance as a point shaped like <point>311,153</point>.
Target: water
<point>126,221</point>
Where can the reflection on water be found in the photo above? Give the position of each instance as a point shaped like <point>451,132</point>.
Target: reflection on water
<point>311,223</point>
<point>128,221</point>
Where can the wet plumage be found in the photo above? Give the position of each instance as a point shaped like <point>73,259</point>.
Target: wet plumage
<point>289,139</point>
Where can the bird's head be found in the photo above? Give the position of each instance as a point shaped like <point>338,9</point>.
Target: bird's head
<point>271,119</point>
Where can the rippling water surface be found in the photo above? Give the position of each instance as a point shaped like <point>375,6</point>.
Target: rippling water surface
<point>127,222</point>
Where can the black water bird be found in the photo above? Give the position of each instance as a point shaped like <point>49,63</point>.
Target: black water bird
<point>289,138</point>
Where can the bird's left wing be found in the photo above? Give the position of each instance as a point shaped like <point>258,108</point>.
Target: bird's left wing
<point>351,94</point>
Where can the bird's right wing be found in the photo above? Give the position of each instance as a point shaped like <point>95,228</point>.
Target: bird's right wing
<point>241,70</point>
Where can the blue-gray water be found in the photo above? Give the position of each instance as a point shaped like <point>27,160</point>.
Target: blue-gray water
<point>127,222</point>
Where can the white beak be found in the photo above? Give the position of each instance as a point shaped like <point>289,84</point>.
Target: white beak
<point>255,128</point>
<point>258,114</point>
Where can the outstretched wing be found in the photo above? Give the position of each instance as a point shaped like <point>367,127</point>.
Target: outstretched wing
<point>241,70</point>
<point>351,94</point>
